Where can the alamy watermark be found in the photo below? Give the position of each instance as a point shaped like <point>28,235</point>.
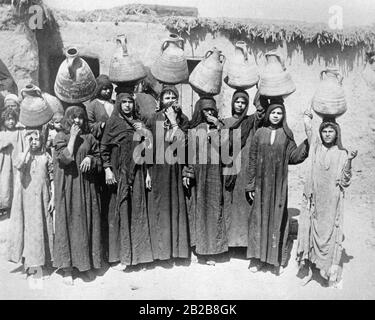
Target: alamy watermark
<point>197,146</point>
<point>336,19</point>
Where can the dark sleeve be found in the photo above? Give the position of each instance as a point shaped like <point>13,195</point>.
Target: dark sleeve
<point>95,153</point>
<point>246,127</point>
<point>106,145</point>
<point>298,154</point>
<point>62,154</point>
<point>94,125</point>
<point>253,157</point>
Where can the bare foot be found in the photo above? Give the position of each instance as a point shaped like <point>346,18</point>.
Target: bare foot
<point>119,267</point>
<point>194,258</point>
<point>90,275</point>
<point>256,266</point>
<point>306,280</point>
<point>210,262</point>
<point>68,278</point>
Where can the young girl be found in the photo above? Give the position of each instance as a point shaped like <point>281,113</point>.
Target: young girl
<point>320,231</point>
<point>11,142</point>
<point>77,242</point>
<point>30,237</point>
<point>55,126</point>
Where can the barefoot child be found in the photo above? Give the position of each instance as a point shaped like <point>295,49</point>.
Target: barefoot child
<point>11,142</point>
<point>320,232</point>
<point>30,236</point>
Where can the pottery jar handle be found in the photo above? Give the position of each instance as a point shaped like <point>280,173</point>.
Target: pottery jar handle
<point>222,58</point>
<point>31,88</point>
<point>164,45</point>
<point>278,56</point>
<point>181,42</point>
<point>241,45</point>
<point>339,77</point>
<point>208,53</point>
<point>122,41</point>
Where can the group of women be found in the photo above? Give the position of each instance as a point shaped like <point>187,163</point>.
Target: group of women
<point>108,207</point>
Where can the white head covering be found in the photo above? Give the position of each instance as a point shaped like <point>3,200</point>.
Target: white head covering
<point>11,97</point>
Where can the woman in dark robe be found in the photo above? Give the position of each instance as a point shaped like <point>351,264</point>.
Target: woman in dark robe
<point>206,218</point>
<point>99,109</point>
<point>101,106</point>
<point>320,232</point>
<point>271,151</point>
<point>166,200</point>
<point>77,242</point>
<point>236,206</point>
<point>129,232</point>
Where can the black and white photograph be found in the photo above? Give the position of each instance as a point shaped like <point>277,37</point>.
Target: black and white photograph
<point>187,150</point>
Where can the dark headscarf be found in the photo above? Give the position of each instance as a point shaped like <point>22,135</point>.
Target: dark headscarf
<point>71,113</point>
<point>332,123</point>
<point>284,124</point>
<point>102,81</point>
<point>118,108</point>
<point>240,94</point>
<point>204,103</point>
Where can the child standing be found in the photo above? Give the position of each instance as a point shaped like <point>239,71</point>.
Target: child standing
<point>11,142</point>
<point>31,238</point>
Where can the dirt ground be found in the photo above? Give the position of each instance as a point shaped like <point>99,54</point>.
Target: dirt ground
<point>229,279</point>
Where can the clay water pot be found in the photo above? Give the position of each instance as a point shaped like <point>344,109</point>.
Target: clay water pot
<point>75,82</point>
<point>34,110</point>
<point>206,78</point>
<point>275,80</point>
<point>124,67</point>
<point>242,72</point>
<point>54,103</point>
<point>171,66</point>
<point>329,99</point>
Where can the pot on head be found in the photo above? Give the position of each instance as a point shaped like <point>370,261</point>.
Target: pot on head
<point>124,67</point>
<point>275,80</point>
<point>171,65</point>
<point>75,82</point>
<point>329,99</point>
<point>206,78</point>
<point>34,109</point>
<point>242,72</point>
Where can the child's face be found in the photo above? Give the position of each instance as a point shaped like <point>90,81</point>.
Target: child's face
<point>35,143</point>
<point>10,123</point>
<point>78,121</point>
<point>56,122</point>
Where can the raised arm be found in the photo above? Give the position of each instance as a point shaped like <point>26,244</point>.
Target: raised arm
<point>346,173</point>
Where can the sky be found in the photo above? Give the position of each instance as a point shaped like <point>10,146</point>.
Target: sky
<point>355,12</point>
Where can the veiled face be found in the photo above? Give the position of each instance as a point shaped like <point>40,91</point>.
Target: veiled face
<point>207,113</point>
<point>329,135</point>
<point>168,96</point>
<point>78,121</point>
<point>239,105</point>
<point>276,116</point>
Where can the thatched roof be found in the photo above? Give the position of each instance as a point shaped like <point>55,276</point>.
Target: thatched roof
<point>268,30</point>
<point>265,30</point>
